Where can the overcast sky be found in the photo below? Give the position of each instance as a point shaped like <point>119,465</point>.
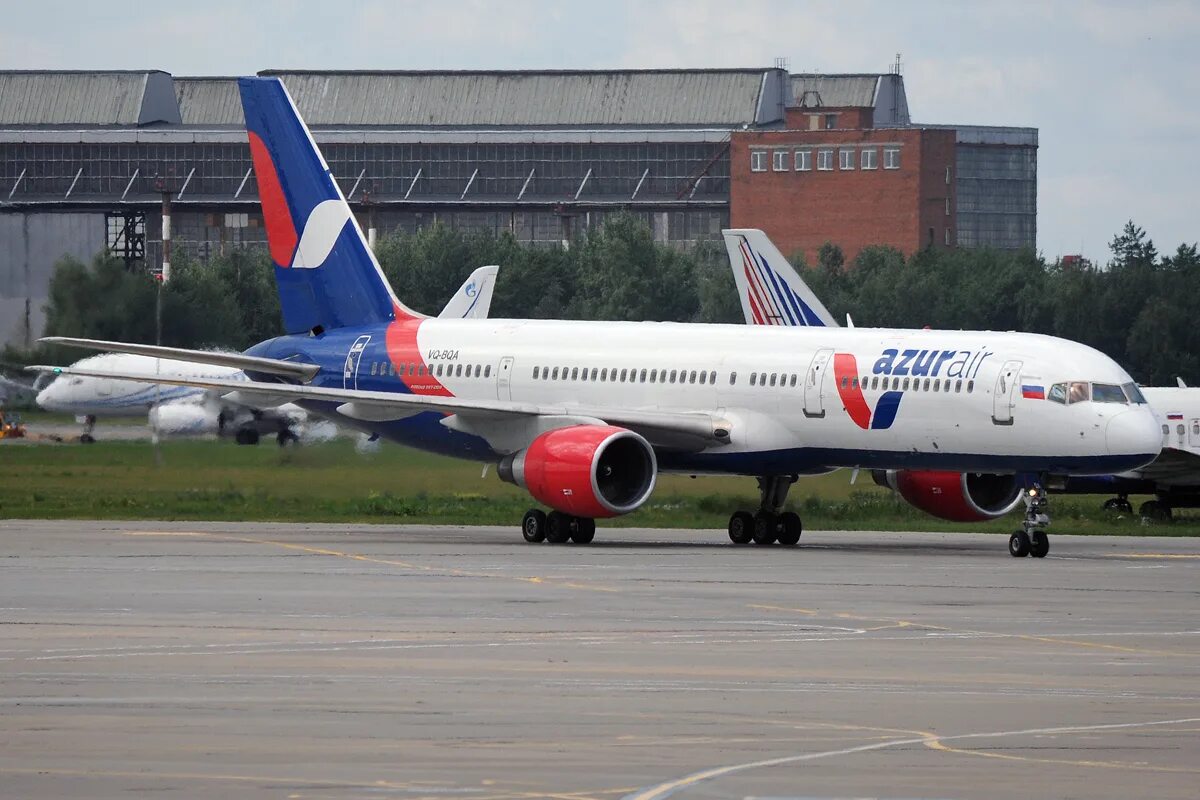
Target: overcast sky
<point>1113,87</point>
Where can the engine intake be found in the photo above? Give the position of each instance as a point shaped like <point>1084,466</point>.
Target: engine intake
<point>954,496</point>
<point>585,470</point>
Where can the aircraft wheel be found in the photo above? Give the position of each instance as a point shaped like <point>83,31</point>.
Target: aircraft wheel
<point>1039,544</point>
<point>286,437</point>
<point>87,438</point>
<point>533,526</point>
<point>790,528</point>
<point>741,527</point>
<point>1155,511</point>
<point>246,436</point>
<point>1119,505</point>
<point>558,527</point>
<point>1019,544</point>
<point>765,528</point>
<point>584,530</point>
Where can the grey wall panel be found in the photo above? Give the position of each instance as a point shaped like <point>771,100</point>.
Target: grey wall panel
<point>30,246</point>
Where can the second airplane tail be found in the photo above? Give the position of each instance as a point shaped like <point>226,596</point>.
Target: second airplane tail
<point>769,289</point>
<point>326,274</point>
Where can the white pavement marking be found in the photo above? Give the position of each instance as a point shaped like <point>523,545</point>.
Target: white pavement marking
<point>671,787</point>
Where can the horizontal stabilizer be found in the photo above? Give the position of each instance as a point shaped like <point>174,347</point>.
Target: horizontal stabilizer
<point>270,366</point>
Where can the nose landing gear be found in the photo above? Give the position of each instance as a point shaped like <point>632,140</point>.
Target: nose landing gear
<point>768,525</point>
<point>1031,540</point>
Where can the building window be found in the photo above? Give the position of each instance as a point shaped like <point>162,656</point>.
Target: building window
<point>830,121</point>
<point>825,159</point>
<point>846,158</point>
<point>947,236</point>
<point>947,176</point>
<point>870,158</point>
<point>779,160</point>
<point>758,160</point>
<point>803,160</point>
<point>947,206</point>
<point>891,158</point>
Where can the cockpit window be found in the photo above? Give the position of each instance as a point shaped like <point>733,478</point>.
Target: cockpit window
<point>1058,393</point>
<point>1108,393</point>
<point>1134,394</point>
<point>1079,392</point>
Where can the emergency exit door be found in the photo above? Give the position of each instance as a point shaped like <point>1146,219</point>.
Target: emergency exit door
<point>814,384</point>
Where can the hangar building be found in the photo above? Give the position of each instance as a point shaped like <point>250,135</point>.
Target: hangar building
<point>89,160</point>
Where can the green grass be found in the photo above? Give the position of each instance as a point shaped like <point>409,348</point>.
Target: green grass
<point>209,480</point>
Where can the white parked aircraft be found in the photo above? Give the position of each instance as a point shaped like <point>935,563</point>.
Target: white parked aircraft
<point>192,411</point>
<point>768,286</point>
<point>585,414</point>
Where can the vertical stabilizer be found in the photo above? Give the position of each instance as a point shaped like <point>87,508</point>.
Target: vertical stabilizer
<point>326,274</point>
<point>769,289</point>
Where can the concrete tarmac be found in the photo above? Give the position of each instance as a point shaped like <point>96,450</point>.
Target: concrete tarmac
<point>314,661</point>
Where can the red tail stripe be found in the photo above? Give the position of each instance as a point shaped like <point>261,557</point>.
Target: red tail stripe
<point>281,229</point>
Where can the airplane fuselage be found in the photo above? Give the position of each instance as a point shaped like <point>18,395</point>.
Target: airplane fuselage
<point>795,399</point>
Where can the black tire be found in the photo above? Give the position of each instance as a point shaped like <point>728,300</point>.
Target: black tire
<point>766,528</point>
<point>790,528</point>
<point>1039,544</point>
<point>246,436</point>
<point>1118,505</point>
<point>583,531</point>
<point>87,438</point>
<point>558,527</point>
<point>533,526</point>
<point>1155,511</point>
<point>1019,544</point>
<point>286,437</point>
<point>741,527</point>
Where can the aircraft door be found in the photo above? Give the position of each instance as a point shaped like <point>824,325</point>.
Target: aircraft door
<point>353,358</point>
<point>504,379</point>
<point>1005,396</point>
<point>814,384</point>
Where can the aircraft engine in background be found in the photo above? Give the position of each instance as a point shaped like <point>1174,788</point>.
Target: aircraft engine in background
<point>184,419</point>
<point>585,470</point>
<point>955,496</point>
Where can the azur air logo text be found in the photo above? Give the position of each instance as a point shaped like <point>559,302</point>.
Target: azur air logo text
<point>894,363</point>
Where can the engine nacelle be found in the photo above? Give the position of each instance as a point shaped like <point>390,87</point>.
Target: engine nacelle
<point>955,496</point>
<point>585,470</point>
<point>183,419</point>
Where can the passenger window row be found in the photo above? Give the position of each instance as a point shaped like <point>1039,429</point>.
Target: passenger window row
<point>434,370</point>
<point>874,382</point>
<point>616,375</point>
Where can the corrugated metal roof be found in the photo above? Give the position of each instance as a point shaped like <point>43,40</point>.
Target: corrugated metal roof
<point>455,99</point>
<point>71,98</point>
<point>835,91</point>
<point>209,101</point>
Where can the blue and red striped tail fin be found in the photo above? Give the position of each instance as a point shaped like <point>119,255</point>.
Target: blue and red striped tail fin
<point>770,290</point>
<point>326,274</point>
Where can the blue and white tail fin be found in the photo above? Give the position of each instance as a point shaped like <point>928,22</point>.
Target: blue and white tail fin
<point>769,289</point>
<point>473,300</point>
<point>327,275</point>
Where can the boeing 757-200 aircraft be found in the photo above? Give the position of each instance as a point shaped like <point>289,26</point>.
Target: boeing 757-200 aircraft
<point>584,415</point>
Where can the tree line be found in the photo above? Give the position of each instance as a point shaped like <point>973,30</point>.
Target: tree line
<point>1135,307</point>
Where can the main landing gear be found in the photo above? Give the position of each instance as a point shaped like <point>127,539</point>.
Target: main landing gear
<point>1119,504</point>
<point>768,525</point>
<point>1031,540</point>
<point>556,527</point>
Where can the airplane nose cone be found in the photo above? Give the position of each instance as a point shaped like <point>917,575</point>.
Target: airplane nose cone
<point>46,399</point>
<point>1134,433</point>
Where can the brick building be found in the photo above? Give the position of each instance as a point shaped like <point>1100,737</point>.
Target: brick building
<point>848,167</point>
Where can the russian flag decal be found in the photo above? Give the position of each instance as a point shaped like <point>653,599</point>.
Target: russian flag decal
<point>1031,392</point>
<point>1174,416</point>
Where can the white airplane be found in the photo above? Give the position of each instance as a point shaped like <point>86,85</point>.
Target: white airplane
<point>767,282</point>
<point>192,411</point>
<point>584,415</point>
